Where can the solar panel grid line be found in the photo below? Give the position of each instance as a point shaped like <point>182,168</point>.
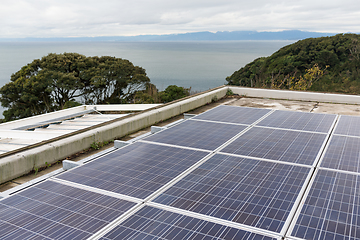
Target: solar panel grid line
<point>215,220</point>
<point>57,211</point>
<point>263,117</point>
<point>289,129</point>
<point>155,223</point>
<point>338,171</point>
<point>173,145</point>
<point>232,139</point>
<point>264,159</point>
<point>335,211</point>
<point>178,178</point>
<point>197,134</point>
<point>301,196</point>
<point>202,120</point>
<point>233,114</point>
<point>116,222</point>
<point>271,144</point>
<point>97,190</point>
<point>300,205</point>
<point>303,121</point>
<point>348,125</point>
<point>242,132</point>
<point>136,170</point>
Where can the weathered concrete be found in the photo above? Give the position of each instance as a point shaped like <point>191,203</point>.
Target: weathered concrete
<point>51,151</point>
<point>296,95</point>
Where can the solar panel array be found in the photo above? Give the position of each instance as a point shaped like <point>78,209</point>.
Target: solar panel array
<point>229,173</point>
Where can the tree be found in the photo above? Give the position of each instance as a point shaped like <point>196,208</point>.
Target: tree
<point>328,64</point>
<point>173,92</point>
<point>47,84</point>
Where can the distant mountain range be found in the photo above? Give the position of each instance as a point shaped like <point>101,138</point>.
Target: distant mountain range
<point>197,36</point>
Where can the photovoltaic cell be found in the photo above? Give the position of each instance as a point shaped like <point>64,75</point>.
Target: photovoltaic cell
<point>256,193</point>
<point>331,209</point>
<point>314,122</point>
<point>137,170</point>
<point>276,144</point>
<point>232,114</point>
<point>348,125</point>
<point>152,223</point>
<point>197,134</point>
<point>343,153</point>
<point>55,211</point>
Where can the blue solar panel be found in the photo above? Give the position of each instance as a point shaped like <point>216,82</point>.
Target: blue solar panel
<point>331,209</point>
<point>348,125</point>
<point>342,153</point>
<point>315,122</point>
<point>152,223</point>
<point>137,170</point>
<point>198,134</point>
<point>256,193</point>
<point>52,210</point>
<point>275,144</point>
<point>232,114</point>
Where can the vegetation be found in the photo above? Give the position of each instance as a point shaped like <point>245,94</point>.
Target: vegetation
<point>327,64</point>
<point>59,81</point>
<point>152,95</point>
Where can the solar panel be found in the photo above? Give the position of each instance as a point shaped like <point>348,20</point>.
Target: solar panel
<point>137,170</point>
<point>315,122</point>
<point>342,153</point>
<point>197,134</point>
<point>232,114</point>
<point>348,125</point>
<point>331,209</point>
<point>52,210</point>
<point>154,223</point>
<point>255,193</point>
<point>276,144</point>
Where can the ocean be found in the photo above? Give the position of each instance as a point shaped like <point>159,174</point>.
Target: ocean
<point>201,65</point>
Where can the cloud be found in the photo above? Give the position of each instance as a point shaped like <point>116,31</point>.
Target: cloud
<point>51,18</point>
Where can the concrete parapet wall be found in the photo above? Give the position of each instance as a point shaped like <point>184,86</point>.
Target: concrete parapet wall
<point>23,162</point>
<point>296,95</point>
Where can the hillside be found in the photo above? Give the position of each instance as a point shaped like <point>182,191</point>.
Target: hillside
<point>327,64</point>
<point>194,36</point>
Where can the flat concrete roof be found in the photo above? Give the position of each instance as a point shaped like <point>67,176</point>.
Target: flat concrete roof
<point>278,104</point>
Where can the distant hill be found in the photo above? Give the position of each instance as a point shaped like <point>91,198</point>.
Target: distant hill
<point>197,36</point>
<point>327,64</point>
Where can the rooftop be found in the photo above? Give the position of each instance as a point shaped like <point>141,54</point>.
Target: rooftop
<point>239,168</point>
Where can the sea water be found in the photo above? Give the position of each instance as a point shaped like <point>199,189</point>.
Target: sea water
<point>201,65</point>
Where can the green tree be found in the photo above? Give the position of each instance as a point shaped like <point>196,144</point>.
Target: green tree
<point>288,68</point>
<point>47,84</point>
<point>173,92</point>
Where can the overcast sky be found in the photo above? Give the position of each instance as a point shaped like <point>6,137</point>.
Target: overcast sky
<point>79,18</point>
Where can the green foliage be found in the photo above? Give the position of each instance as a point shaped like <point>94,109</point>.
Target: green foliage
<point>173,92</point>
<point>229,92</point>
<point>56,80</point>
<point>329,64</point>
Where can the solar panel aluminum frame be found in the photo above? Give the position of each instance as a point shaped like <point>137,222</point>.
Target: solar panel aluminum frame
<point>97,190</point>
<point>215,220</point>
<point>293,221</point>
<point>301,205</point>
<point>338,122</point>
<point>199,149</point>
<point>116,222</point>
<point>332,134</point>
<point>260,119</point>
<point>239,225</point>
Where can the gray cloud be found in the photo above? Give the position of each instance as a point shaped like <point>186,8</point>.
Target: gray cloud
<point>51,18</point>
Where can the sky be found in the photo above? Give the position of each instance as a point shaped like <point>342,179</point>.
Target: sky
<point>90,18</point>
